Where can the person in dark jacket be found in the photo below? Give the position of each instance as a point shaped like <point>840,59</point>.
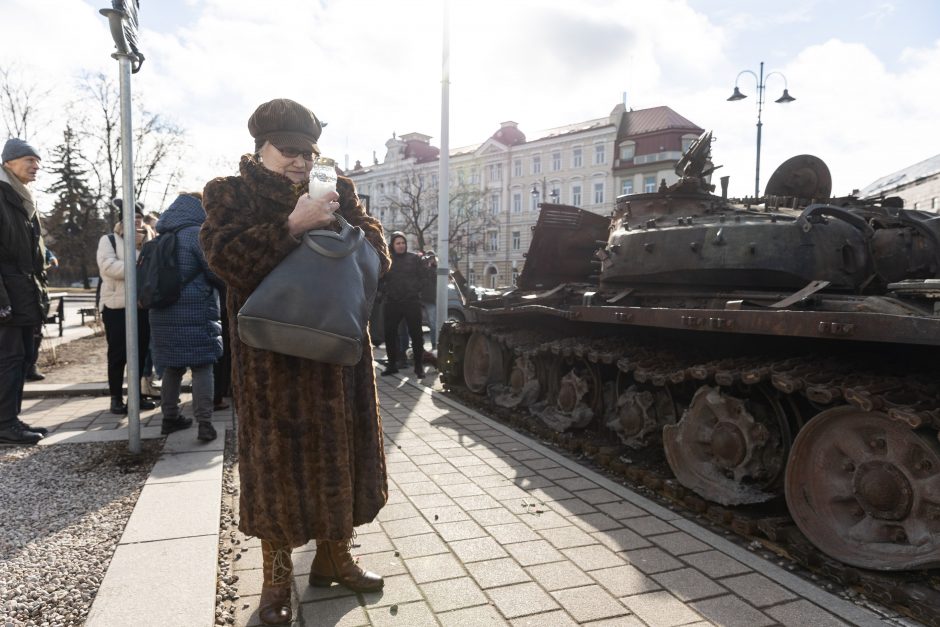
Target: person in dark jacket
<point>188,333</point>
<point>23,296</point>
<point>402,288</point>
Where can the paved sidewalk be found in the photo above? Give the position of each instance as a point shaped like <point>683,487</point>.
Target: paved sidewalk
<point>487,527</point>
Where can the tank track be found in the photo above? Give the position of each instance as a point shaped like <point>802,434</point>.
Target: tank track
<point>910,400</point>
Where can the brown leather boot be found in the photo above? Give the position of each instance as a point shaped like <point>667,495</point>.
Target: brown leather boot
<point>333,562</point>
<point>277,568</point>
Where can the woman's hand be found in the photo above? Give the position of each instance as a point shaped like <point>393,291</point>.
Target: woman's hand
<point>312,213</point>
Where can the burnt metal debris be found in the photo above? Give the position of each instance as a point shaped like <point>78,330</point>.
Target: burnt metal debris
<point>770,350</point>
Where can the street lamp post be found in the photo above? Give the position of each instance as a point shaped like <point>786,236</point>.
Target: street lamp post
<point>554,195</point>
<point>761,86</point>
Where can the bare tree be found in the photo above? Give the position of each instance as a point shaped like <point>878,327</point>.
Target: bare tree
<point>20,102</point>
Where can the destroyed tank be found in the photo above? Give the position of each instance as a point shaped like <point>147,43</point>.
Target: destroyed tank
<point>780,349</point>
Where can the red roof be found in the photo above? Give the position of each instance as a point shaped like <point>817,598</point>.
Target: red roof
<point>654,119</point>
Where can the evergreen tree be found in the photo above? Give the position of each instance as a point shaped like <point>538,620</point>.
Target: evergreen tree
<point>75,224</point>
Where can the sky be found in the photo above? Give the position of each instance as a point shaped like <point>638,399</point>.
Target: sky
<point>865,73</point>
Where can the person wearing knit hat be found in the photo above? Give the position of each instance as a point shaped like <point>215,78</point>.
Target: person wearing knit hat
<point>311,456</point>
<point>23,296</point>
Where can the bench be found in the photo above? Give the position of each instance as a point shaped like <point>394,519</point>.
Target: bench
<point>57,316</point>
<point>88,311</point>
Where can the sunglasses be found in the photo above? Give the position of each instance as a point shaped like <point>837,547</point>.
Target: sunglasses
<point>293,153</point>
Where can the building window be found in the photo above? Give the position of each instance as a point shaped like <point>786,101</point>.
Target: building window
<point>496,172</point>
<point>686,142</point>
<point>472,277</point>
<point>600,155</point>
<point>576,195</point>
<point>492,240</point>
<point>536,164</point>
<point>534,205</point>
<point>649,184</point>
<point>627,151</point>
<point>933,204</point>
<point>517,203</point>
<point>576,158</point>
<point>627,187</point>
<point>516,240</point>
<point>494,204</point>
<point>598,193</point>
<point>556,161</point>
<point>517,167</point>
<point>555,194</point>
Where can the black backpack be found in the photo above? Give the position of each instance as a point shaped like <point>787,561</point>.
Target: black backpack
<point>159,283</point>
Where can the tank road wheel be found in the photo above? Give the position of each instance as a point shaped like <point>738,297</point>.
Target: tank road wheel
<point>573,398</point>
<point>523,386</point>
<point>483,363</point>
<point>640,411</point>
<point>730,450</point>
<point>450,354</point>
<point>865,490</point>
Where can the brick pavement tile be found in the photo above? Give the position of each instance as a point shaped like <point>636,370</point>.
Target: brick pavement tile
<point>679,543</point>
<point>567,537</point>
<point>541,463</point>
<point>590,603</point>
<point>521,599</point>
<point>406,527</point>
<point>593,557</point>
<point>551,493</point>
<point>512,532</point>
<point>802,612</point>
<point>397,589</point>
<point>397,512</point>
<point>495,516</point>
<point>648,525</point>
<point>557,473</point>
<point>395,496</point>
<point>731,611</point>
<point>623,581</point>
<point>557,618</point>
<point>402,478</point>
<point>372,527</point>
<point>621,510</point>
<point>621,539</point>
<point>412,614</point>
<point>310,593</point>
<point>452,478</point>
<point>536,552</point>
<point>366,543</point>
<point>484,452</point>
<point>495,573</point>
<point>450,513</point>
<point>517,471</point>
<point>246,611</point>
<point>434,568</point>
<point>419,488</point>
<point>689,584</point>
<point>417,450</point>
<point>342,612</point>
<point>596,496</point>
<point>249,582</point>
<point>248,559</point>
<point>498,437</point>
<point>526,454</point>
<point>572,507</point>
<point>491,481</point>
<point>507,493</point>
<point>546,520</point>
<point>445,445</point>
<point>453,594</point>
<point>477,549</point>
<point>467,488</point>
<point>716,564</point>
<point>652,560</point>
<point>424,460</point>
<point>559,575</point>
<point>480,470</point>
<point>460,530</point>
<point>483,501</point>
<point>623,621</point>
<point>420,546</point>
<point>758,590</point>
<point>437,469</point>
<point>577,483</point>
<point>595,522</point>
<point>660,609</point>
<point>425,501</point>
<point>531,483</point>
<point>406,466</point>
<point>386,564</point>
<point>482,616</point>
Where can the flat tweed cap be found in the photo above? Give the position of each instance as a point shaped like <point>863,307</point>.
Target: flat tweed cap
<point>286,124</point>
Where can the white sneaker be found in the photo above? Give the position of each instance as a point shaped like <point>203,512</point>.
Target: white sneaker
<point>148,389</point>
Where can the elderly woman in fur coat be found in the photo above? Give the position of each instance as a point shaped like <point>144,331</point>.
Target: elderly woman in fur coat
<point>311,457</point>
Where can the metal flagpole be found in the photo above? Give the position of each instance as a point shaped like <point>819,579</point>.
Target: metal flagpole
<point>123,22</point>
<point>443,196</point>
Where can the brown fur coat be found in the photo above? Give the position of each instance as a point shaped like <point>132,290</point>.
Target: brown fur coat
<point>310,451</point>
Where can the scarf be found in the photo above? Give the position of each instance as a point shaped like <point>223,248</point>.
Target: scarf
<point>8,177</point>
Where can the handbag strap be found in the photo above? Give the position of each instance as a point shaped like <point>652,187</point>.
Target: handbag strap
<point>351,236</point>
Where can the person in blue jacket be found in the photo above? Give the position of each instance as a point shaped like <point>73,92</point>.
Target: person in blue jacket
<point>188,333</point>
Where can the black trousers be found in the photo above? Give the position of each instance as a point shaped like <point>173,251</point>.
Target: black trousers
<point>394,313</point>
<point>16,351</point>
<point>222,369</point>
<point>115,330</point>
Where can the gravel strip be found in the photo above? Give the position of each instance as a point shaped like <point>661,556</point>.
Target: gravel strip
<point>226,588</point>
<point>64,510</point>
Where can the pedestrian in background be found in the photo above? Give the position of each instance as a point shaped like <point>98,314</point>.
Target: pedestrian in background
<point>188,333</point>
<point>24,300</point>
<point>111,268</point>
<point>52,263</point>
<point>402,289</point>
<point>310,452</point>
<point>429,294</point>
<point>151,376</point>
